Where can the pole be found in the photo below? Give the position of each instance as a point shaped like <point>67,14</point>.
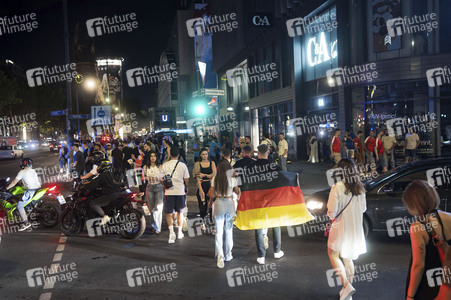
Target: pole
<point>78,112</point>
<point>68,85</point>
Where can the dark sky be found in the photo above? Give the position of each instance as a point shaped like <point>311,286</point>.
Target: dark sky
<point>44,46</point>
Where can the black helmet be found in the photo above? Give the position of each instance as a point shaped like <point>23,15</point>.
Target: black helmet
<point>97,156</point>
<point>26,162</point>
<point>103,165</point>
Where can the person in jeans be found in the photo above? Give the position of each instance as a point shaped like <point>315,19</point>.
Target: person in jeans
<point>261,239</point>
<point>222,188</point>
<point>155,190</point>
<point>175,196</point>
<point>345,208</point>
<point>349,143</point>
<point>203,172</point>
<point>283,152</point>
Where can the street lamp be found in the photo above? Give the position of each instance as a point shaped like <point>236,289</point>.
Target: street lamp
<point>90,84</point>
<point>200,109</point>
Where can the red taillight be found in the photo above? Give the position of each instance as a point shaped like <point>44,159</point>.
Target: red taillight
<point>52,188</point>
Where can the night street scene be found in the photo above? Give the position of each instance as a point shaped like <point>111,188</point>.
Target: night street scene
<point>225,149</point>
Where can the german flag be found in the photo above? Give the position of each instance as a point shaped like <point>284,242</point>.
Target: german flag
<point>267,204</point>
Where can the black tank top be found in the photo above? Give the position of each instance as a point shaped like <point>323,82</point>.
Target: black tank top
<point>431,261</point>
<point>208,171</point>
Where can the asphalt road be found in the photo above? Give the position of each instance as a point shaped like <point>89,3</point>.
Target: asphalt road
<point>187,269</point>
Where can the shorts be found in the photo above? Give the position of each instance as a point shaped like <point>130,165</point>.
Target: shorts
<point>382,162</point>
<point>410,152</point>
<point>369,157</point>
<point>174,204</point>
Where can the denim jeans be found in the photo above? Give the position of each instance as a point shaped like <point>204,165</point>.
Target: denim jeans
<point>259,233</point>
<point>224,213</point>
<point>155,195</point>
<point>283,163</point>
<point>21,204</point>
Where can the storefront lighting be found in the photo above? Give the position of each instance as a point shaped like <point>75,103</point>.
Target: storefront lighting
<point>246,108</point>
<point>321,132</point>
<point>229,108</point>
<point>413,43</point>
<point>320,102</point>
<point>330,81</point>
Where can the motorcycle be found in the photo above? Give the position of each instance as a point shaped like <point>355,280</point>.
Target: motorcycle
<point>37,208</point>
<point>129,222</point>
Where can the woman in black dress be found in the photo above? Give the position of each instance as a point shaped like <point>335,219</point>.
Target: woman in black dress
<point>204,170</point>
<point>422,201</point>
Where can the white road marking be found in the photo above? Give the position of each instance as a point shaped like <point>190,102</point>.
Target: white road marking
<point>45,296</point>
<point>57,256</point>
<point>48,282</point>
<point>60,247</point>
<point>62,239</point>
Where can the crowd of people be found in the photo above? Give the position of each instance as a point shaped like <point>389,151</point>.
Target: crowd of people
<point>165,184</point>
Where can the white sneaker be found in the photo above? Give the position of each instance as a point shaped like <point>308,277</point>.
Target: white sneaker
<point>220,261</point>
<point>180,235</point>
<point>261,260</point>
<point>172,237</point>
<point>265,241</point>
<point>347,292</point>
<point>279,254</point>
<point>185,225</point>
<point>105,219</point>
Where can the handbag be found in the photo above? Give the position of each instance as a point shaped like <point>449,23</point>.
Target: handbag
<point>329,223</point>
<point>167,179</point>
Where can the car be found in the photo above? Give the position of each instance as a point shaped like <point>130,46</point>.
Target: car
<point>386,212</point>
<point>54,146</point>
<point>10,152</point>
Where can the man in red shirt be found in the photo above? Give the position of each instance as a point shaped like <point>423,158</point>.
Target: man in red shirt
<point>379,152</point>
<point>370,143</point>
<point>359,148</point>
<point>335,147</point>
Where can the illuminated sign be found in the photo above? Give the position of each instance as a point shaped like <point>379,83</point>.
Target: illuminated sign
<point>165,118</point>
<point>319,51</point>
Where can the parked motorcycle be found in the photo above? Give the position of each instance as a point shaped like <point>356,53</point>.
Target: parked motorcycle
<point>129,222</point>
<point>37,208</point>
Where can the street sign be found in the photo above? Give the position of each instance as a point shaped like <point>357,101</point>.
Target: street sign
<point>214,92</point>
<point>87,116</point>
<point>58,113</point>
<point>101,115</point>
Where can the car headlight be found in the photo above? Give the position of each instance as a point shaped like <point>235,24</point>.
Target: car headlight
<point>314,205</point>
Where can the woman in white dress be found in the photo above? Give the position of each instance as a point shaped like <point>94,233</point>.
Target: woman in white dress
<point>345,208</point>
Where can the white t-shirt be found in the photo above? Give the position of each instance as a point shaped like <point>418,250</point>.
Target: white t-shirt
<point>180,173</point>
<point>94,170</point>
<point>154,175</point>
<point>30,178</point>
<point>232,183</point>
<point>283,145</point>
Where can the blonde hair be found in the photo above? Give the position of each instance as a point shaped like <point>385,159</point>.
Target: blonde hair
<point>421,196</point>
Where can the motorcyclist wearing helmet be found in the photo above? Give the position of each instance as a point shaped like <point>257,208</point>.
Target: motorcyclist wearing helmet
<point>96,157</point>
<point>110,189</point>
<point>31,182</point>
